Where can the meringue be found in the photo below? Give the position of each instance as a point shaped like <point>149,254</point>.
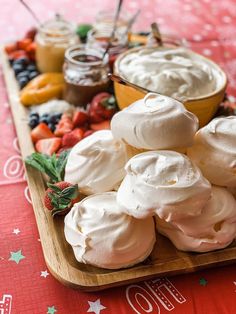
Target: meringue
<point>165,183</point>
<point>102,236</point>
<point>97,163</point>
<point>214,151</point>
<point>214,229</point>
<point>155,122</point>
<point>178,73</point>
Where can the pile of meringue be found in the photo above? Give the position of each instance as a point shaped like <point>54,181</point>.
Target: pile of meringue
<point>152,172</point>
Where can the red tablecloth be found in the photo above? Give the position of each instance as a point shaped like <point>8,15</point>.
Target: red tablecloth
<point>26,287</point>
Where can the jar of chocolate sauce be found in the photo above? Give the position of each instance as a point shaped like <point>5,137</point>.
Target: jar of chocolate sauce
<point>85,72</point>
<point>100,38</point>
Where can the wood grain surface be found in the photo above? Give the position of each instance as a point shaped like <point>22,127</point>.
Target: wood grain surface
<point>165,259</point>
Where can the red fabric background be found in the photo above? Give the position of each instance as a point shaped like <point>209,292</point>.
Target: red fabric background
<point>210,28</point>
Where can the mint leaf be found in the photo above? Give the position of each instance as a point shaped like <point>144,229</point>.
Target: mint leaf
<point>61,163</point>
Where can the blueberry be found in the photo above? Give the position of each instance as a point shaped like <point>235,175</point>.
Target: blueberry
<point>11,60</point>
<point>33,74</point>
<point>23,81</point>
<point>33,122</point>
<point>17,68</point>
<point>22,60</point>
<point>22,74</point>
<point>52,127</point>
<point>55,118</point>
<point>44,118</point>
<point>34,114</point>
<point>31,67</point>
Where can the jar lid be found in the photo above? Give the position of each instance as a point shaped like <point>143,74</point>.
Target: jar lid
<point>77,55</point>
<point>57,28</point>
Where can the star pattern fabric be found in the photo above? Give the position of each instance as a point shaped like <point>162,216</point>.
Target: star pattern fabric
<point>95,307</point>
<point>16,256</point>
<point>16,231</point>
<point>203,282</point>
<point>44,274</point>
<point>51,310</point>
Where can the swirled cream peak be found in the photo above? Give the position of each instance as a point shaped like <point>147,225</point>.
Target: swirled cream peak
<point>178,73</point>
<point>102,236</point>
<point>214,151</point>
<point>165,183</point>
<point>97,163</point>
<point>214,229</point>
<point>155,122</point>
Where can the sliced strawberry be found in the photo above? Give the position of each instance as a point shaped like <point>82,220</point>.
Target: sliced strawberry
<point>23,43</point>
<point>104,125</point>
<point>48,146</point>
<point>17,54</point>
<point>10,48</point>
<point>64,126</point>
<point>30,49</point>
<point>80,118</point>
<point>72,138</point>
<point>41,131</point>
<point>31,33</point>
<point>88,132</point>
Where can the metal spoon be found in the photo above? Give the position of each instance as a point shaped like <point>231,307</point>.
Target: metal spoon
<point>117,13</point>
<point>30,11</point>
<point>118,79</point>
<point>156,34</point>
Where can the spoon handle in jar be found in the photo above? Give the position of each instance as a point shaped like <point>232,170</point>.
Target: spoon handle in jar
<point>28,8</point>
<point>118,9</point>
<point>118,79</point>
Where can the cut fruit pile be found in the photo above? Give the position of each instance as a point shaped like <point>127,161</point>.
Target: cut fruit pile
<point>53,133</point>
<point>21,56</point>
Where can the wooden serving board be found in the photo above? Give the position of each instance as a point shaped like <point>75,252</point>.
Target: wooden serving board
<point>165,259</point>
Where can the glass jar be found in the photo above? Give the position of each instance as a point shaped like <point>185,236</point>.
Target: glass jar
<point>105,20</point>
<point>52,40</point>
<point>85,73</point>
<point>99,39</point>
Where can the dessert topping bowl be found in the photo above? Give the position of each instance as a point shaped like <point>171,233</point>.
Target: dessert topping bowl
<point>176,72</point>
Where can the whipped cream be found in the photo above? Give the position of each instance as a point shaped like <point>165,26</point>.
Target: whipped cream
<point>214,151</point>
<point>155,122</point>
<point>178,73</point>
<point>214,229</point>
<point>165,183</point>
<point>97,163</point>
<point>102,236</point>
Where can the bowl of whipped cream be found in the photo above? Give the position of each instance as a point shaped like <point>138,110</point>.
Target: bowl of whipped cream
<point>179,73</point>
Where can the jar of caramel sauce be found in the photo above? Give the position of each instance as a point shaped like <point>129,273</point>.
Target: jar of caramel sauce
<point>85,73</point>
<point>52,40</point>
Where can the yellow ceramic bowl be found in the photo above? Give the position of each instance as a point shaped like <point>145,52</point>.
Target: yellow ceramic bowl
<point>204,107</point>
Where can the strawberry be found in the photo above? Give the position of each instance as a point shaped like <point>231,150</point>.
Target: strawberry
<point>48,146</point>
<point>88,132</point>
<point>31,33</point>
<point>17,54</point>
<point>102,107</point>
<point>80,118</point>
<point>72,138</point>
<point>10,48</point>
<point>41,131</point>
<point>23,43</point>
<point>60,197</point>
<point>30,49</point>
<point>64,126</point>
<point>104,125</point>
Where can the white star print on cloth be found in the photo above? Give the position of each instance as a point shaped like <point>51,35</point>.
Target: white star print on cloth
<point>44,273</point>
<point>16,231</point>
<point>95,307</point>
